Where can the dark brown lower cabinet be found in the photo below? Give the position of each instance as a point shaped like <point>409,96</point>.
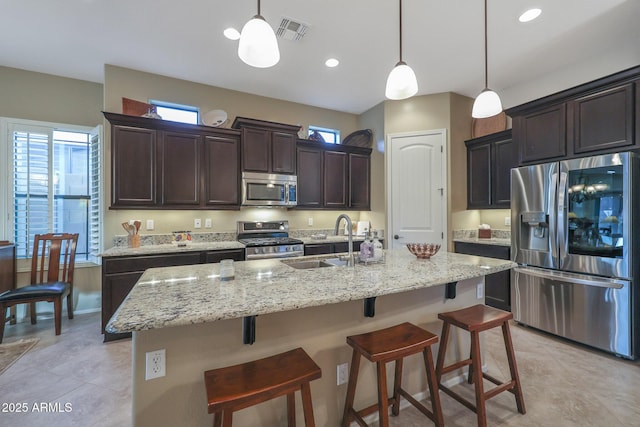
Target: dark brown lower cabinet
<point>498,285</point>
<point>120,274</point>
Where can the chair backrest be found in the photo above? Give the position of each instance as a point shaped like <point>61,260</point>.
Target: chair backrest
<point>60,251</point>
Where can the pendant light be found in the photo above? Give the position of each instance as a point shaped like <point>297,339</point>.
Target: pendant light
<point>488,103</point>
<point>258,46</point>
<point>401,83</point>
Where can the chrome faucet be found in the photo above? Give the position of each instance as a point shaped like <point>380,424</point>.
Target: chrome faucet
<point>350,261</point>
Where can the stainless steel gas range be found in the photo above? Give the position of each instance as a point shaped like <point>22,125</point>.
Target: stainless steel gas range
<point>268,239</point>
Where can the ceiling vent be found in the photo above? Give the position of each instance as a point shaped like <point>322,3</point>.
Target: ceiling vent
<point>291,30</point>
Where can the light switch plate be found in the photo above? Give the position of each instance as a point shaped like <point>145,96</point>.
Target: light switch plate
<point>149,224</point>
<point>310,221</point>
<point>507,220</point>
<point>207,223</point>
<point>197,223</point>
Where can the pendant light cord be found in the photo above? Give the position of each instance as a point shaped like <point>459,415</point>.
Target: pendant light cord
<point>486,66</point>
<point>401,30</point>
<point>261,15</point>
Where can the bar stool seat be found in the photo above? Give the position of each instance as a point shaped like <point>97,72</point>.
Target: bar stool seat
<point>386,345</point>
<point>476,319</point>
<point>237,387</point>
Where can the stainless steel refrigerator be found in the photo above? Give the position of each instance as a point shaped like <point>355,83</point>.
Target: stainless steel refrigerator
<point>574,237</point>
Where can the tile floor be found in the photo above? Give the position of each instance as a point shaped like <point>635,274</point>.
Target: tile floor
<point>564,384</point>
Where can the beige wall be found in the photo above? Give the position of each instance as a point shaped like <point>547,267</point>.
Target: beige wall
<point>37,96</point>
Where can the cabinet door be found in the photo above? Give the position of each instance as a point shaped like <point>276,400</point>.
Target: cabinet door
<point>283,153</point>
<point>318,249</point>
<point>359,182</point>
<point>310,174</point>
<point>504,157</point>
<point>256,150</point>
<point>603,120</point>
<point>541,135</point>
<point>221,171</point>
<point>115,288</point>
<point>479,176</point>
<point>497,285</point>
<point>133,166</point>
<point>335,179</point>
<point>179,160</point>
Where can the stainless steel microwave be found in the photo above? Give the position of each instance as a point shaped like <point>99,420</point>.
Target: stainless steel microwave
<point>266,189</point>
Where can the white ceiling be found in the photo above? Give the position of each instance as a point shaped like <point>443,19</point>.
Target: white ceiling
<point>443,42</point>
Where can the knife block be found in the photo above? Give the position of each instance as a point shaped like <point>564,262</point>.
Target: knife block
<point>484,233</point>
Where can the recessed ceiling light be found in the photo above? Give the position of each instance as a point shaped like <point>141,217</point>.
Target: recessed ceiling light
<point>530,15</point>
<point>331,62</point>
<point>232,34</point>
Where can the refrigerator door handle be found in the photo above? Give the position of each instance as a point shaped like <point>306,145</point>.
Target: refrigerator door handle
<point>577,279</point>
<point>553,217</point>
<point>561,226</point>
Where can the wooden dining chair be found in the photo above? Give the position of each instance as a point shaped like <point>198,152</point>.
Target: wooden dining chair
<point>53,253</point>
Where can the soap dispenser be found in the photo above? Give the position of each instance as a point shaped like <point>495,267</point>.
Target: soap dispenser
<point>377,247</point>
<point>366,248</point>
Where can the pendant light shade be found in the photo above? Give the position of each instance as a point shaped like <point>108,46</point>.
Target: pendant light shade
<point>488,103</point>
<point>258,46</point>
<point>402,82</point>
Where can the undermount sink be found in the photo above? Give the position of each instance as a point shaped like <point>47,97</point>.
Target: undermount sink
<point>304,264</point>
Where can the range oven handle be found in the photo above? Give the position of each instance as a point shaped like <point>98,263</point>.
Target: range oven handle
<point>274,255</point>
<point>578,279</point>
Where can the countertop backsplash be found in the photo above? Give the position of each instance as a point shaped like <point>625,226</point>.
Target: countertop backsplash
<point>473,234</point>
<point>165,239</point>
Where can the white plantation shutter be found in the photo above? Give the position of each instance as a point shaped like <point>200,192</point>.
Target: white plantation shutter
<point>95,183</point>
<point>32,198</point>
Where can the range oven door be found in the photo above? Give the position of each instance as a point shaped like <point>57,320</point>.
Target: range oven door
<point>595,215</point>
<point>591,310</point>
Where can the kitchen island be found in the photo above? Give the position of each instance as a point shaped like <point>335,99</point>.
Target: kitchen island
<point>198,320</point>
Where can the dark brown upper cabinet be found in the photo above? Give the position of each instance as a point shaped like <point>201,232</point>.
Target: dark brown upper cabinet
<point>359,181</point>
<point>267,147</point>
<point>179,168</point>
<point>159,164</point>
<point>133,154</point>
<point>597,117</point>
<point>310,177</point>
<point>221,170</point>
<point>602,120</point>
<point>333,176</point>
<point>489,162</point>
<point>542,134</point>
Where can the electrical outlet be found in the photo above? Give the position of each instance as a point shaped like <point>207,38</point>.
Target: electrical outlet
<point>342,373</point>
<point>507,220</point>
<point>310,221</point>
<point>150,224</point>
<point>479,293</point>
<point>197,223</point>
<point>155,366</point>
<point>207,223</point>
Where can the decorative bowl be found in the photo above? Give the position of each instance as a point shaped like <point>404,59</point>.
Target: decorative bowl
<point>423,250</point>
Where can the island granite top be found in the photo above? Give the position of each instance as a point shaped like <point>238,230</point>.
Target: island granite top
<point>185,295</point>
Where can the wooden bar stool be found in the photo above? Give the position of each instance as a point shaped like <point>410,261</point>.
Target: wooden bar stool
<point>476,319</point>
<point>240,386</point>
<point>386,345</point>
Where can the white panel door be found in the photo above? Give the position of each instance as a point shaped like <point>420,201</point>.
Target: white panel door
<point>416,179</point>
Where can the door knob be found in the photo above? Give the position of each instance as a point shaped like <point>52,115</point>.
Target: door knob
<point>395,236</point>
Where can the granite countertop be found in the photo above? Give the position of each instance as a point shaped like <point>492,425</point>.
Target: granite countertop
<point>491,241</point>
<point>171,248</point>
<point>185,295</point>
